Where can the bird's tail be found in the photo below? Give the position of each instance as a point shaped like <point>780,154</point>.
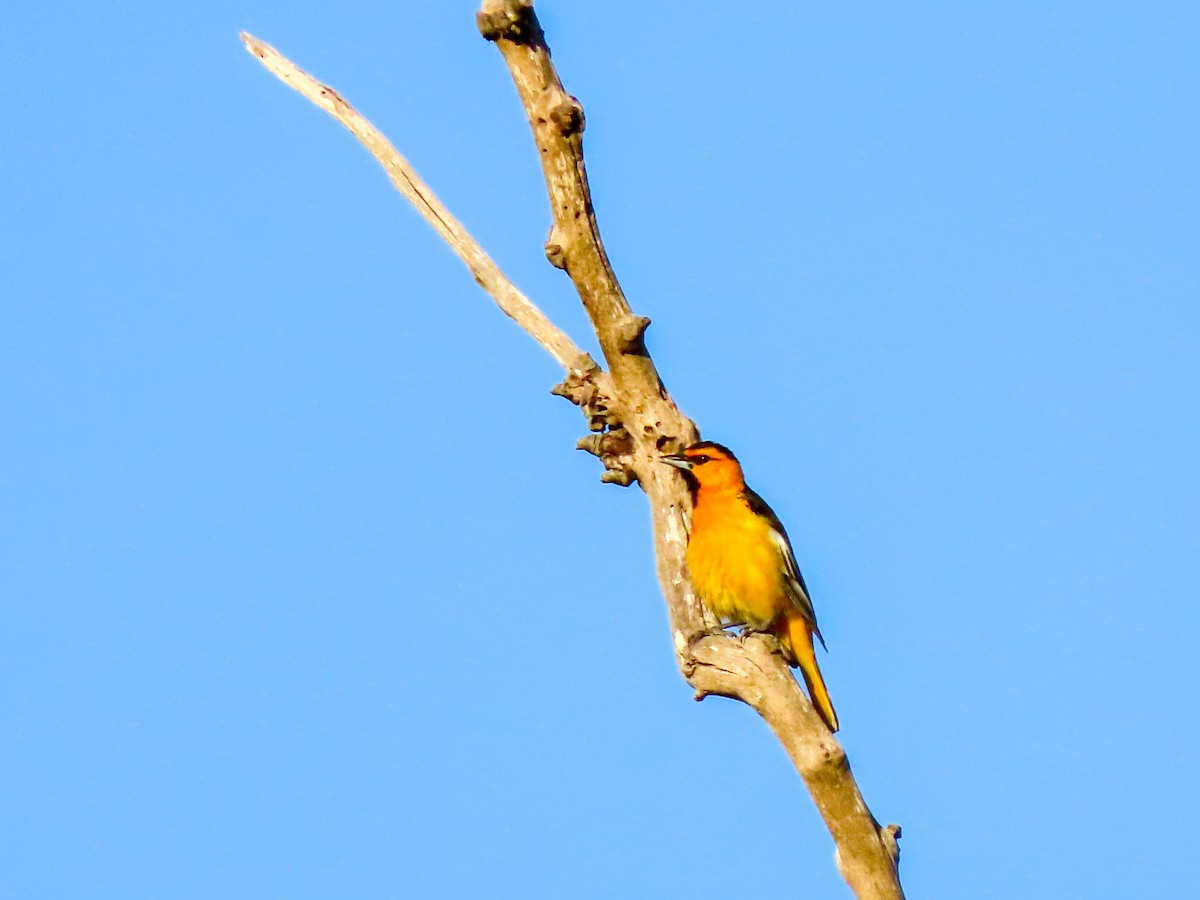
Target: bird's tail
<point>799,641</point>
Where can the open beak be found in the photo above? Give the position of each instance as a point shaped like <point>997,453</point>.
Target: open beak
<point>678,460</point>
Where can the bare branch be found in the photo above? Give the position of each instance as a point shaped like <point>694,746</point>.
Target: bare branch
<point>574,244</point>
<point>636,420</point>
<point>752,671</point>
<point>641,405</point>
<point>510,300</point>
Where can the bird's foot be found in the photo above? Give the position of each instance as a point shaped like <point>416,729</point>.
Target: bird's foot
<point>747,632</point>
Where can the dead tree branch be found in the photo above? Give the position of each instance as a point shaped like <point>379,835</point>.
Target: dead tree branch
<point>510,300</point>
<point>635,418</point>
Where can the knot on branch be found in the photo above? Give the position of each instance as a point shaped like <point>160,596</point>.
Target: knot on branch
<point>566,113</point>
<point>614,448</point>
<point>890,835</point>
<point>510,20</point>
<point>694,655</point>
<point>555,251</point>
<point>724,665</point>
<point>589,388</point>
<point>631,335</point>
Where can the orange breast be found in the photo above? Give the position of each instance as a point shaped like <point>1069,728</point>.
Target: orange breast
<point>735,567</point>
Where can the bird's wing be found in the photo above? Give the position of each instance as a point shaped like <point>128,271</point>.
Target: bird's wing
<point>793,580</point>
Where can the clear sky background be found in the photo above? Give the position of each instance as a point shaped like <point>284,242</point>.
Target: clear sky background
<point>305,592</point>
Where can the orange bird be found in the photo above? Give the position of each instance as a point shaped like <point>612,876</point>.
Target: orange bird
<point>742,564</point>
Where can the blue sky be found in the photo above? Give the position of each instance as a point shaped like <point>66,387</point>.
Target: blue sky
<point>307,594</point>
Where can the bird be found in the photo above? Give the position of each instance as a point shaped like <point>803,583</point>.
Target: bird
<point>742,565</point>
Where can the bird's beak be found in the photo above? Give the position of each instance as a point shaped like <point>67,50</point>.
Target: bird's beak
<point>678,460</point>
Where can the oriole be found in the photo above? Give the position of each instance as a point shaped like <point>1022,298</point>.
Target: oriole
<point>742,564</point>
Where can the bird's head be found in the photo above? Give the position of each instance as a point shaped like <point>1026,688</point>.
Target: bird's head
<point>708,465</point>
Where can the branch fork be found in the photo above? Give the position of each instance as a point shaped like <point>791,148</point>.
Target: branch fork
<point>632,420</point>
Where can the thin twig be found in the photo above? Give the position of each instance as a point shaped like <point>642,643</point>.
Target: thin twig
<point>510,300</point>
